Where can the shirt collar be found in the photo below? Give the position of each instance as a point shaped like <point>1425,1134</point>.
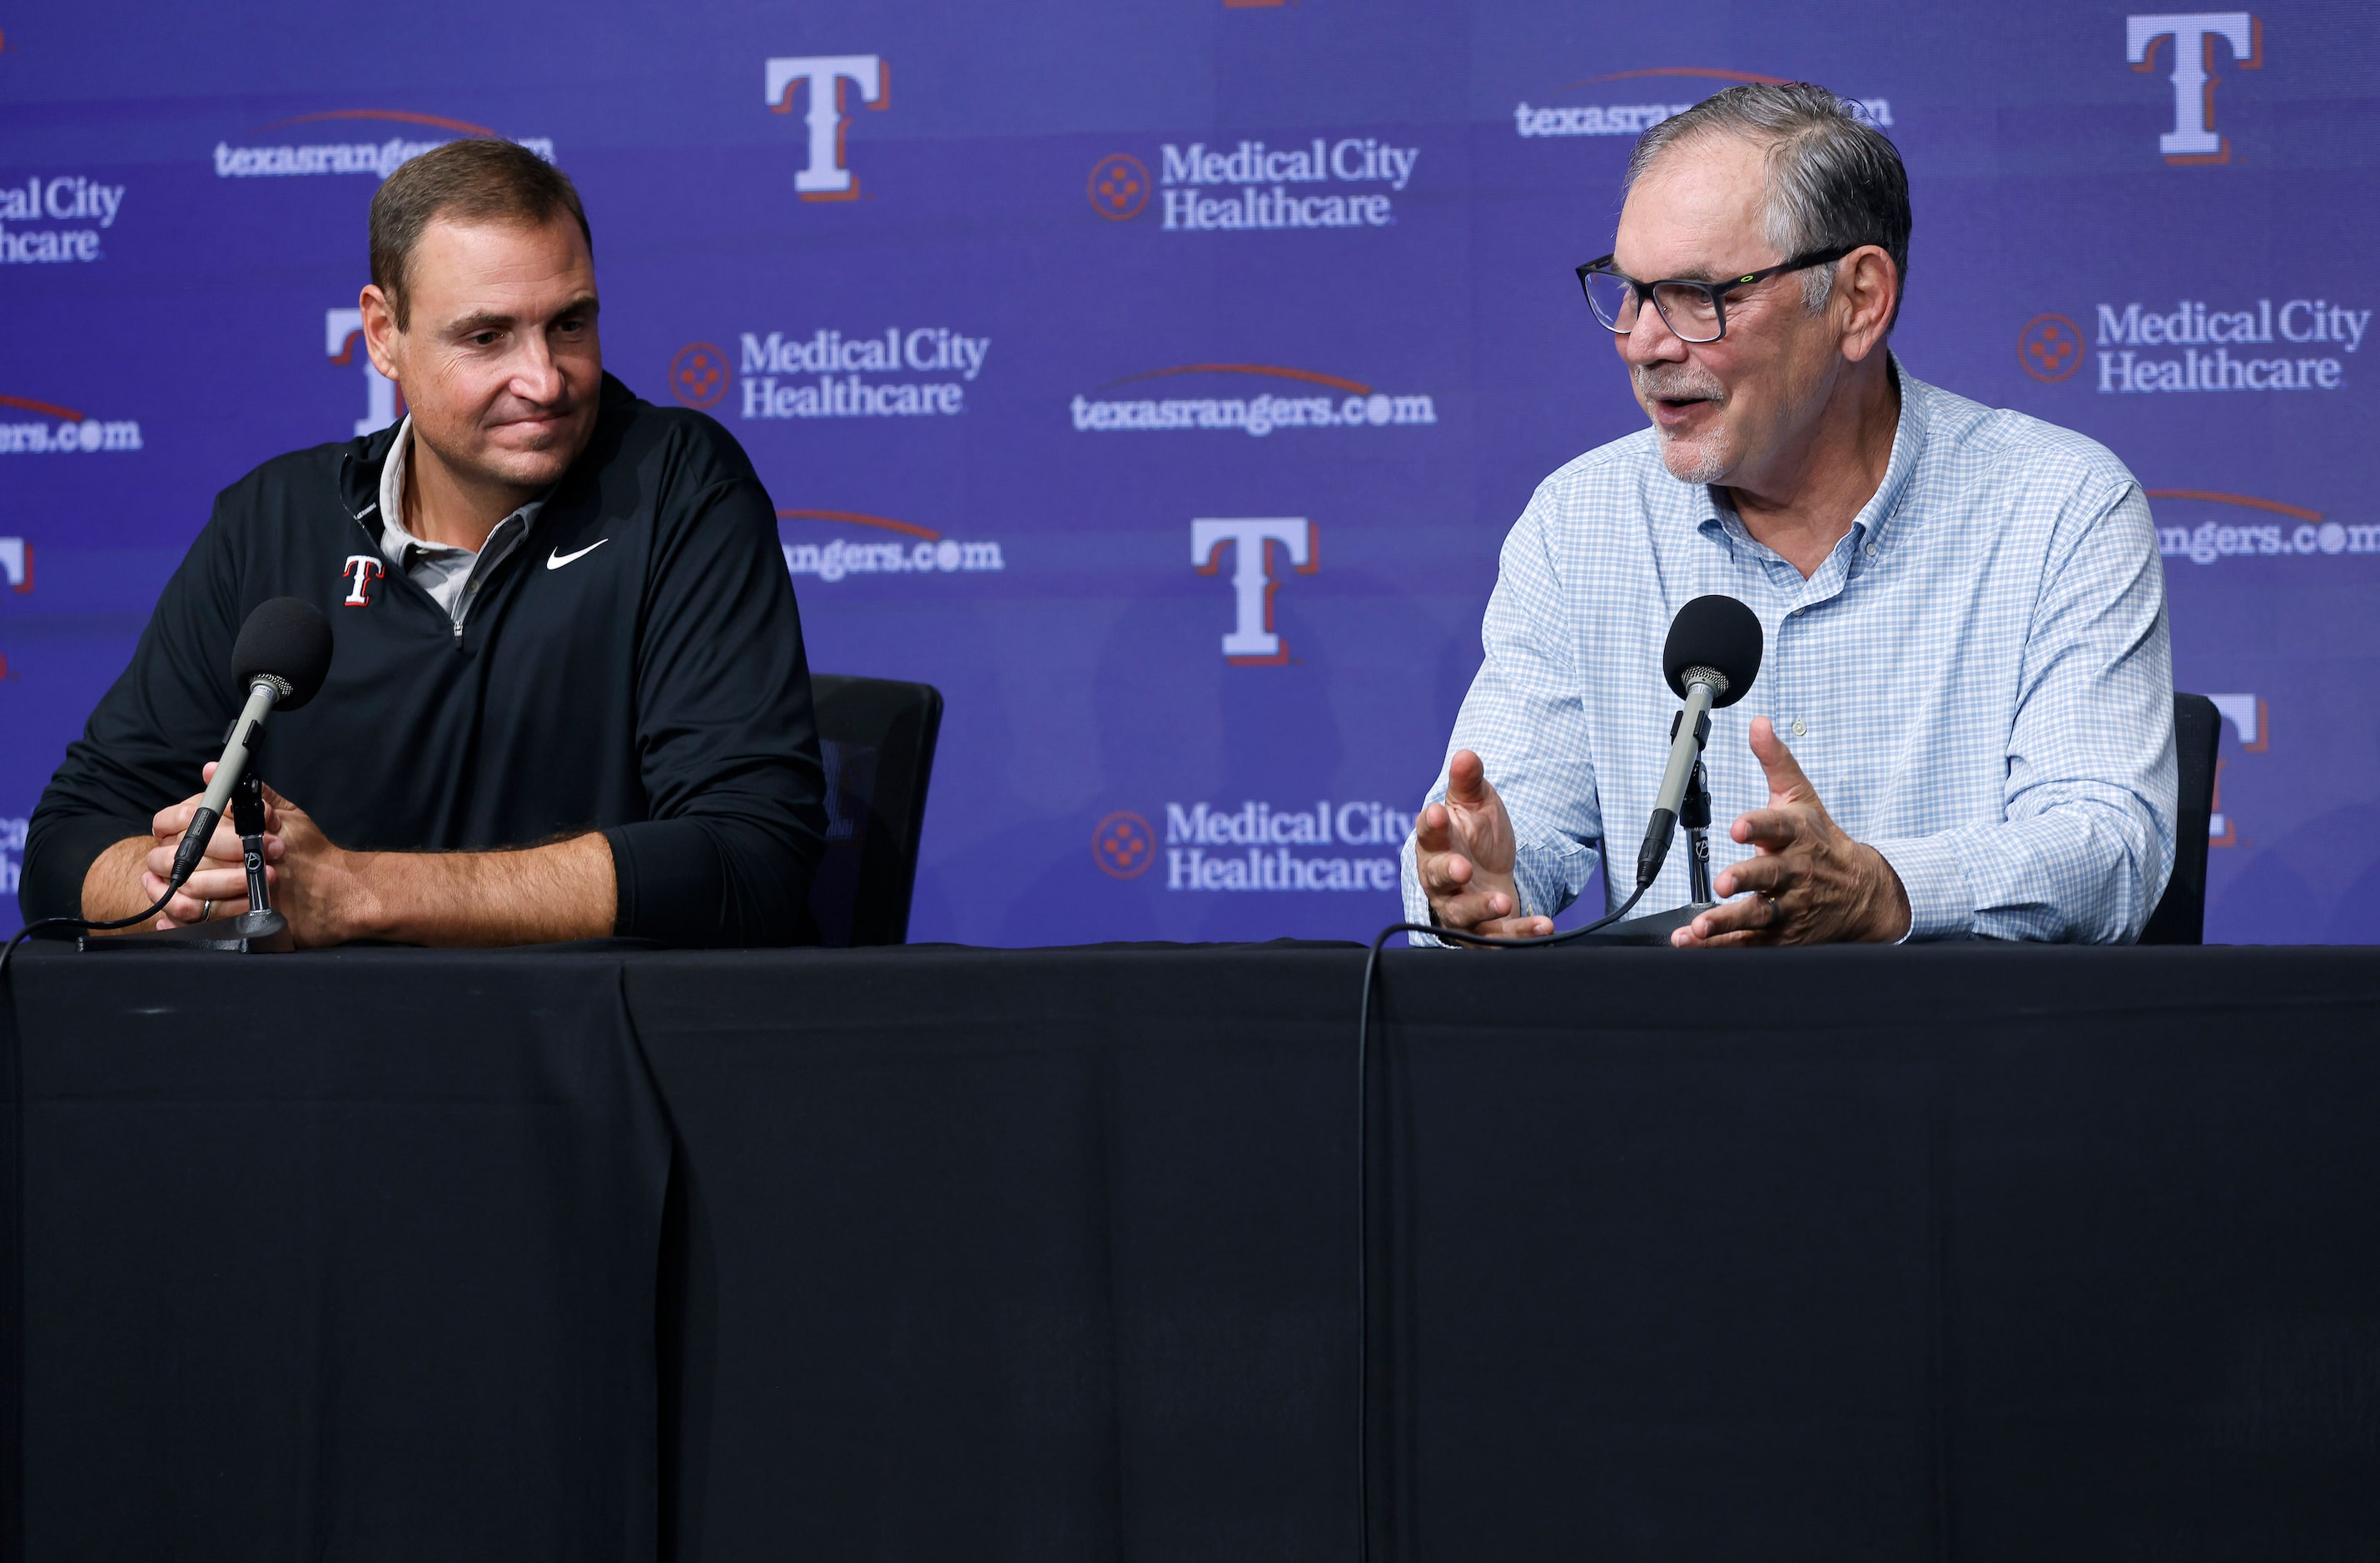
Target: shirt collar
<point>1908,446</point>
<point>396,542</point>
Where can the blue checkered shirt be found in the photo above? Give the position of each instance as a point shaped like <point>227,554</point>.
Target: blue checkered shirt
<point>1977,681</point>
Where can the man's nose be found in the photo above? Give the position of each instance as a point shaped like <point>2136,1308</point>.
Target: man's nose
<point>1651,340</point>
<point>536,377</point>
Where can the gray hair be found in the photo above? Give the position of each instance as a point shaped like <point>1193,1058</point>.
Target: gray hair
<point>1834,180</point>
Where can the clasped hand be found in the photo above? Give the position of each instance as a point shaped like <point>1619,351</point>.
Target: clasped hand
<point>1807,882</point>
<point>298,862</point>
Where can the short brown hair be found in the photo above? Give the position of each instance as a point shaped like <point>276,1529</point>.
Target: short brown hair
<point>477,180</point>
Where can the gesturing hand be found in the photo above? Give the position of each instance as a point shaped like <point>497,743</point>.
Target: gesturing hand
<point>1812,884</point>
<point>1464,853</point>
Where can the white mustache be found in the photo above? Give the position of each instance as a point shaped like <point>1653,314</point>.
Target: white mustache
<point>1678,385</point>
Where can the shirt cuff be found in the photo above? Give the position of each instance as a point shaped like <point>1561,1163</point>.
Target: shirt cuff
<point>57,859</point>
<point>673,887</point>
<point>1416,904</point>
<point>1551,874</point>
<point>1939,906</point>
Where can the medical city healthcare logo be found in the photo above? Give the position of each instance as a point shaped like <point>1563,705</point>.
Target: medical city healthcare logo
<point>1325,183</point>
<point>1352,405</point>
<point>1122,845</point>
<point>913,551</point>
<point>1635,120</point>
<point>2237,344</point>
<point>1253,847</point>
<point>378,158</point>
<point>73,198</point>
<point>1118,186</point>
<point>899,371</point>
<point>2050,348</point>
<point>62,430</point>
<point>698,376</point>
<point>2193,35</point>
<point>827,175</point>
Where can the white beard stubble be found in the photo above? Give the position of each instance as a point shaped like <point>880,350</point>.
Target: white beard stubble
<point>1712,460</point>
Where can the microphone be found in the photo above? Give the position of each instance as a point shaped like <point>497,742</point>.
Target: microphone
<point>1710,659</point>
<point>282,652</point>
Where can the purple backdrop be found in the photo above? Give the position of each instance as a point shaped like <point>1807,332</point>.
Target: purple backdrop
<point>1159,379</point>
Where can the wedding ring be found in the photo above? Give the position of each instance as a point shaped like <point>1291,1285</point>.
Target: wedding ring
<point>206,909</point>
<point>1776,912</point>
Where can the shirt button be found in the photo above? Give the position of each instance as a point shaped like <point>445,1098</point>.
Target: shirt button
<point>1798,729</point>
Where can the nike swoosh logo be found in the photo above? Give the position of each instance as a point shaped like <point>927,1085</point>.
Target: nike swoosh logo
<point>557,559</point>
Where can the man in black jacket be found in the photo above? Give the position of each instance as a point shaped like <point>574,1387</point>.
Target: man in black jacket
<point>568,697</point>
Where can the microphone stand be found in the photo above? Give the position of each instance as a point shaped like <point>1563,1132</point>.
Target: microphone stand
<point>247,818</point>
<point>258,931</point>
<point>1695,815</point>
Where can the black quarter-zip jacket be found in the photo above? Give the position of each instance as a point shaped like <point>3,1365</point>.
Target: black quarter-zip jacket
<point>636,666</point>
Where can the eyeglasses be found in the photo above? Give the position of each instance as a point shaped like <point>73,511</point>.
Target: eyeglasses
<point>1695,312</point>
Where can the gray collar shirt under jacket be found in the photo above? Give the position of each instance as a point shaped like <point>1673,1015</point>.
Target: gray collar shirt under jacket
<point>450,574</point>
<point>1978,680</point>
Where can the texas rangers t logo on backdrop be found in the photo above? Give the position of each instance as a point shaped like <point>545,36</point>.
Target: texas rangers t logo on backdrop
<point>2252,721</point>
<point>340,330</point>
<point>362,571</point>
<point>1252,640</point>
<point>826,177</point>
<point>2193,138</point>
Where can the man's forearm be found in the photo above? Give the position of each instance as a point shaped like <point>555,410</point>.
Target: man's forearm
<point>531,895</point>
<point>2086,871</point>
<point>111,887</point>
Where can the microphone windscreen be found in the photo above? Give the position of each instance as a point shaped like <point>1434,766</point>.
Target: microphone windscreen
<point>1717,632</point>
<point>288,638</point>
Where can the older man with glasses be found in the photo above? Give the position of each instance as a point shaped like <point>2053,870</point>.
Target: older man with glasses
<point>1964,725</point>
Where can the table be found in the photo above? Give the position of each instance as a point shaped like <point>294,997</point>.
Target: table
<point>935,1252</point>
<point>336,1256</point>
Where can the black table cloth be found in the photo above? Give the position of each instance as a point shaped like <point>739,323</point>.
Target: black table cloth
<point>346,1255</point>
<point>1963,1252</point>
<point>1037,1254</point>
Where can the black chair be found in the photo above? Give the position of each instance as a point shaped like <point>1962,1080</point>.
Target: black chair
<point>2180,915</point>
<point>876,736</point>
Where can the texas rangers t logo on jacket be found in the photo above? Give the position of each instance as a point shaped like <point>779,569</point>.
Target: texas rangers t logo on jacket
<point>362,571</point>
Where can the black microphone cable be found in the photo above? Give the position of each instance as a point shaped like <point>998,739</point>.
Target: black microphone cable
<point>1714,642</point>
<point>43,925</point>
<point>1363,1145</point>
<point>285,643</point>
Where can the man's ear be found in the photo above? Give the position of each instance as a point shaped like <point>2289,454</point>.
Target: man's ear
<point>1868,288</point>
<point>381,330</point>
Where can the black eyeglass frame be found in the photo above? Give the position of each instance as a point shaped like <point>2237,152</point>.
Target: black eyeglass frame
<point>1718,291</point>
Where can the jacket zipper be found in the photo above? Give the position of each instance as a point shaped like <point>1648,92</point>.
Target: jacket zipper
<point>370,537</point>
